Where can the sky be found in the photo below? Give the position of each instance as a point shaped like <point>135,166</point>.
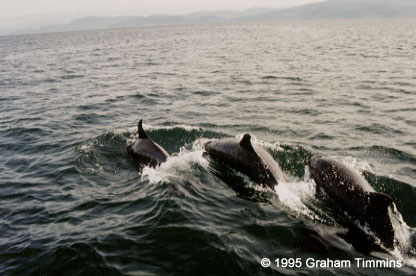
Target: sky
<point>20,14</point>
<point>16,8</point>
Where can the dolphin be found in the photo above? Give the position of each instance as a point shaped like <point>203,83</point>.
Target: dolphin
<point>249,159</point>
<point>145,151</point>
<point>353,194</point>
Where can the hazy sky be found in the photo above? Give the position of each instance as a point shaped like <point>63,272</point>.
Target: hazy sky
<point>32,14</point>
<point>18,8</point>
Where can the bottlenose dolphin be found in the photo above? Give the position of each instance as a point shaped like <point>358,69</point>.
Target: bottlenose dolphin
<point>251,160</point>
<point>145,151</point>
<point>351,192</point>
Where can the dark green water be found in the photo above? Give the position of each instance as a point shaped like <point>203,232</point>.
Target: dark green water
<point>73,203</point>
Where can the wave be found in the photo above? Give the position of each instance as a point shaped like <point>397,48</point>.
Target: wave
<point>182,177</point>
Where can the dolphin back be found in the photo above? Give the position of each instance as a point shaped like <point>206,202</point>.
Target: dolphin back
<point>145,151</point>
<point>247,158</point>
<point>349,190</point>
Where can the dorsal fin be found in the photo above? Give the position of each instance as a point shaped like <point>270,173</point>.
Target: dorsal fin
<point>378,202</point>
<point>142,134</point>
<point>246,142</point>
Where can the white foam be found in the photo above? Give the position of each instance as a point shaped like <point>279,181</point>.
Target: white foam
<point>176,164</point>
<point>185,127</point>
<point>401,229</point>
<point>119,131</point>
<point>294,194</point>
<point>403,234</point>
<point>199,143</point>
<point>354,163</point>
<point>88,147</point>
<point>248,183</point>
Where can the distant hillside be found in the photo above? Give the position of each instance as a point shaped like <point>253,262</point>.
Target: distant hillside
<point>342,9</point>
<point>229,14</point>
<point>93,22</point>
<point>330,9</point>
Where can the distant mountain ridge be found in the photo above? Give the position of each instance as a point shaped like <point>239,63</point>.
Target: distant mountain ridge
<point>330,9</point>
<point>343,9</point>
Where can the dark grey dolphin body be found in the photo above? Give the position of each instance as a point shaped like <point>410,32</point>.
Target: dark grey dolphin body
<point>145,151</point>
<point>351,192</point>
<point>247,158</point>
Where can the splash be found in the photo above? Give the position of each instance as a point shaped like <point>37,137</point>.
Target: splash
<point>88,147</point>
<point>401,229</point>
<point>354,163</point>
<point>296,194</point>
<point>248,183</point>
<point>177,165</point>
<point>185,127</point>
<point>403,250</point>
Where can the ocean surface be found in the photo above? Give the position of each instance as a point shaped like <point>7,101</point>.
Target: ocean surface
<point>72,202</point>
